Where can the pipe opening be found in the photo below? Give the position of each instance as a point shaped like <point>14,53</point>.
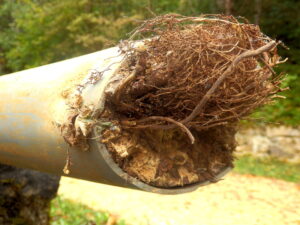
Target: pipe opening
<point>167,159</point>
<point>168,110</point>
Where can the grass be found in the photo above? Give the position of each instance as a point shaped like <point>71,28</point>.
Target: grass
<point>283,111</point>
<point>66,212</point>
<point>273,168</point>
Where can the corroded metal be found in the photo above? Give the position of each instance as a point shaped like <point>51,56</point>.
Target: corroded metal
<point>33,105</point>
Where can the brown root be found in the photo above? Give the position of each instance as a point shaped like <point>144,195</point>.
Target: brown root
<point>197,71</point>
<point>199,75</point>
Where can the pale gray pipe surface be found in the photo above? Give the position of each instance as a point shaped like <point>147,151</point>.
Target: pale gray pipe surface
<point>31,107</point>
<point>33,103</point>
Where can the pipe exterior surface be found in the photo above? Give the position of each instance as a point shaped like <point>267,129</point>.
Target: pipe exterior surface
<point>32,104</point>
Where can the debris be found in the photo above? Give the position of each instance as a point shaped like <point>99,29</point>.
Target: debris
<point>183,92</point>
<point>172,106</point>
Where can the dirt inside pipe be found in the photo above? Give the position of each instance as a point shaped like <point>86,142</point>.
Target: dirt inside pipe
<point>166,158</point>
<point>174,104</point>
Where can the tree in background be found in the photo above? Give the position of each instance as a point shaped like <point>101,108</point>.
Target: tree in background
<point>257,9</point>
<point>38,32</point>
<point>228,7</point>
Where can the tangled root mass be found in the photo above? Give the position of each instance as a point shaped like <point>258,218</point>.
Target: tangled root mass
<point>199,75</point>
<point>184,59</point>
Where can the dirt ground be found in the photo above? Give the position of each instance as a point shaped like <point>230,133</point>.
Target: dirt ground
<point>238,199</point>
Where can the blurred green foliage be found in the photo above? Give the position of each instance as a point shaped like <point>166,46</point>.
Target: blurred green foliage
<point>38,32</point>
<point>283,111</point>
<point>66,212</point>
<point>268,167</point>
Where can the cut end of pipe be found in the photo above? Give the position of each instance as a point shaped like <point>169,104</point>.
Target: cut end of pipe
<point>167,111</point>
<point>167,158</point>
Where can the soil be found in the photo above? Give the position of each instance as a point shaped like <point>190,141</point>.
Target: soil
<point>179,94</point>
<point>166,158</point>
<point>238,199</point>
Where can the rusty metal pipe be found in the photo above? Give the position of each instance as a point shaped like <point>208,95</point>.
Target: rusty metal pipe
<point>33,103</point>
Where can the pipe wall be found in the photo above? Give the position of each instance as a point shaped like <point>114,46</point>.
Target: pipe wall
<point>32,104</point>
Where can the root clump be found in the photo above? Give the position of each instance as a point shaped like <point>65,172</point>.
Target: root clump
<point>195,77</point>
